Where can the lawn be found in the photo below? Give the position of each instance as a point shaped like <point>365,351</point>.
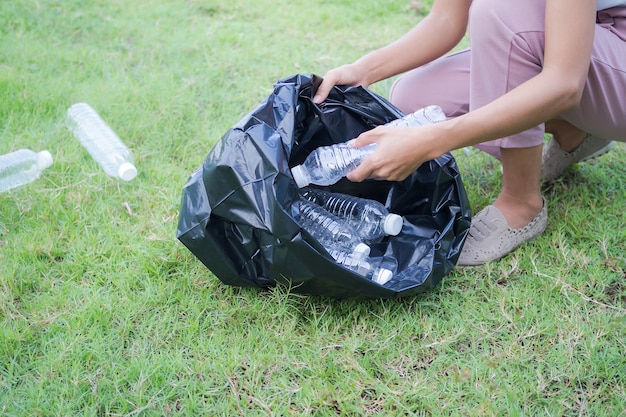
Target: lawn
<point>103,312</point>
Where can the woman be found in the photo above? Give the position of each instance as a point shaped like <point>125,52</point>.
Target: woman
<point>556,66</point>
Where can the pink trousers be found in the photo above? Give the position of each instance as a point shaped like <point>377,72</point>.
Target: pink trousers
<point>507,43</point>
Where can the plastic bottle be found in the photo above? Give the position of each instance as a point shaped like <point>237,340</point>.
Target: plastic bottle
<point>101,142</point>
<point>362,267</point>
<point>425,116</point>
<point>21,167</point>
<point>369,218</point>
<point>328,164</point>
<point>330,231</point>
<point>357,264</point>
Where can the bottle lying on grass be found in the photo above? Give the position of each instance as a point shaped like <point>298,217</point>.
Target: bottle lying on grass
<point>21,167</point>
<point>101,141</point>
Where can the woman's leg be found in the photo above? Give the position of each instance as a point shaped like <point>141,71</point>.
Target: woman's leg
<point>588,129</point>
<point>507,49</point>
<point>507,41</point>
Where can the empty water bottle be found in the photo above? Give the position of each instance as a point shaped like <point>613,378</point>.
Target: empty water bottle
<point>362,267</point>
<point>425,116</point>
<point>21,167</point>
<point>369,218</point>
<point>357,264</point>
<point>330,231</point>
<point>328,164</point>
<point>101,141</point>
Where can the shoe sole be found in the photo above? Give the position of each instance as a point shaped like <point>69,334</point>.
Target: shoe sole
<point>599,152</point>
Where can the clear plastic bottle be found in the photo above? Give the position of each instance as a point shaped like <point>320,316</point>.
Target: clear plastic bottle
<point>362,267</point>
<point>101,142</point>
<point>425,116</point>
<point>331,231</point>
<point>357,264</point>
<point>328,164</point>
<point>369,218</point>
<point>21,167</point>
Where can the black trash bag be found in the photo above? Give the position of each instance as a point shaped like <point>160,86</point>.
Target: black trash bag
<point>239,211</point>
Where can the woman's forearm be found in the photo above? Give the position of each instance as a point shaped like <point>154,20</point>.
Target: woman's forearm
<point>557,88</point>
<point>433,37</point>
<point>539,99</point>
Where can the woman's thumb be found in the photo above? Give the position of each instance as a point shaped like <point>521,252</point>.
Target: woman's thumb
<point>321,94</point>
<point>364,138</point>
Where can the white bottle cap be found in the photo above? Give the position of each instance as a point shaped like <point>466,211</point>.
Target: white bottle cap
<point>361,251</point>
<point>392,224</point>
<point>382,276</point>
<point>127,171</point>
<point>300,176</point>
<point>44,159</point>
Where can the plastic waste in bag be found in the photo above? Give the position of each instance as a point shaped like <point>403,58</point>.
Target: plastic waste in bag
<point>239,211</point>
<point>330,231</point>
<point>370,218</point>
<point>362,266</point>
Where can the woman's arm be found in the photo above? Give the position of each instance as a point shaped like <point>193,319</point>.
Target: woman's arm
<point>569,36</point>
<point>439,32</point>
<point>568,41</point>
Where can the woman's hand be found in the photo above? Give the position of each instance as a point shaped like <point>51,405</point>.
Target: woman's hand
<point>348,74</point>
<point>400,151</point>
<point>440,30</point>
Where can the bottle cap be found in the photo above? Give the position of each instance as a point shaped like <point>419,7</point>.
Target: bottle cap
<point>392,224</point>
<point>44,159</point>
<point>361,250</point>
<point>127,171</point>
<point>300,176</point>
<point>382,276</point>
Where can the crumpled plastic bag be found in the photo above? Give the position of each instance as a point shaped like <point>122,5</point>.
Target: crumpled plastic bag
<point>239,214</point>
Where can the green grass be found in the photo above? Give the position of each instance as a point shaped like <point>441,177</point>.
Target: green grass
<point>103,312</point>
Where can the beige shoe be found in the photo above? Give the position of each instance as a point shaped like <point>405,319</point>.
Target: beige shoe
<point>555,160</point>
<point>490,237</point>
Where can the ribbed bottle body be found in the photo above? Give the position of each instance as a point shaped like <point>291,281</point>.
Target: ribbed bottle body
<point>329,230</point>
<point>369,218</point>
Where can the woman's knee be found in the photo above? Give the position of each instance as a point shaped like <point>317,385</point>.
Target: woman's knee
<point>444,82</point>
<point>404,92</point>
<point>495,18</point>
